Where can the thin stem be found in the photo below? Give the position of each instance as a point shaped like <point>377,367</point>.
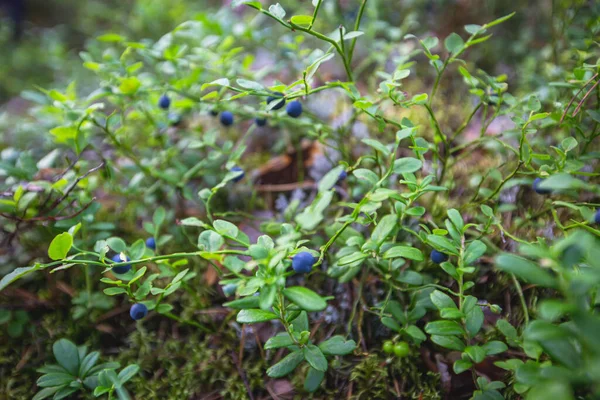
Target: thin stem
<point>315,13</point>
<point>361,10</point>
<point>521,298</point>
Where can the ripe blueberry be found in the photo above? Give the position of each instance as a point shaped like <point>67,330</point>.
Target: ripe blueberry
<point>276,95</point>
<point>151,243</point>
<point>226,118</point>
<point>438,257</point>
<point>138,311</point>
<point>122,269</point>
<point>260,121</point>
<point>302,262</point>
<point>164,102</point>
<point>536,186</point>
<point>343,175</point>
<point>294,109</point>
<point>239,177</point>
<point>597,217</point>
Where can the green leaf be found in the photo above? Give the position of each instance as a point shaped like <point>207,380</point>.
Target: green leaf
<point>456,219</point>
<point>384,228</point>
<point>525,270</point>
<point>246,84</point>
<point>494,347</point>
<point>407,165</point>
<point>473,315</point>
<point>286,365</point>
<point>443,244</point>
<point>277,11</point>
<point>461,366</point>
<point>313,379</point>
<point>129,85</point>
<point>66,355</point>
<point>391,323</point>
<point>113,291</point>
<point>302,20</point>
<point>55,379</point>
<point>280,340</point>
<point>474,250</point>
<point>253,316</point>
<point>243,303</point>
<point>416,333</point>
<point>441,300</point>
<point>315,357</point>
<point>210,241</point>
<point>305,298</point>
<point>45,393</point>
<point>128,372</point>
<point>159,216</point>
<point>226,228</point>
<point>405,252</point>
<point>549,389</point>
<point>454,43</point>
<point>507,329</point>
<point>18,273</point>
<point>337,346</point>
<point>475,353</point>
<point>330,179</point>
<point>110,37</point>
<point>448,342</point>
<point>444,328</point>
<point>60,246</point>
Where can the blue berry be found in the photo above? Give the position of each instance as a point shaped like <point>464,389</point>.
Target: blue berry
<point>138,311</point>
<point>536,186</point>
<point>294,109</point>
<point>164,102</point>
<point>261,121</point>
<point>597,217</point>
<point>302,262</point>
<point>226,118</point>
<point>240,176</point>
<point>438,257</point>
<point>122,269</point>
<point>276,95</point>
<point>343,175</point>
<point>151,243</point>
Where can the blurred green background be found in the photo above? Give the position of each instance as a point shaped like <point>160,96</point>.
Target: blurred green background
<point>55,31</point>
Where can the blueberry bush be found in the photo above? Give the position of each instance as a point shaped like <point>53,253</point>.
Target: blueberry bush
<point>312,200</point>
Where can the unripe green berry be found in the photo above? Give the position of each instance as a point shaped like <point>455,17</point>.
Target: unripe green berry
<point>388,346</point>
<point>401,349</point>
